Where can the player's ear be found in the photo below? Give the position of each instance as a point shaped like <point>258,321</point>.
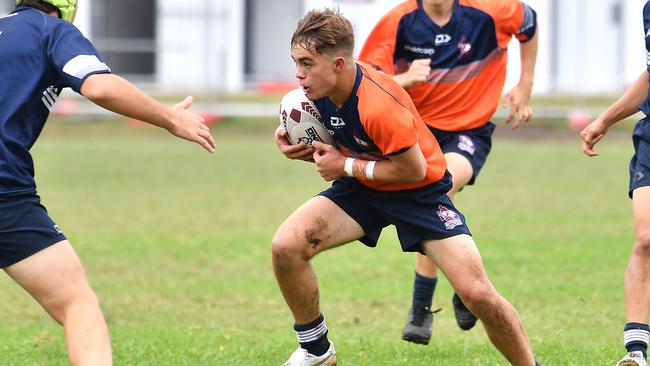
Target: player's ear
<point>339,63</point>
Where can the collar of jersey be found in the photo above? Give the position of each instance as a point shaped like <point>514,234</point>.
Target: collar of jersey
<point>425,17</point>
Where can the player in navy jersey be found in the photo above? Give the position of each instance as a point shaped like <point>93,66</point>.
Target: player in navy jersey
<point>42,53</point>
<point>450,56</point>
<point>637,277</point>
<point>388,169</point>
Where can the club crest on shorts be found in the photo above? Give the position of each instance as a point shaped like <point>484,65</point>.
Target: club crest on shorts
<point>450,218</point>
<point>637,177</point>
<point>466,144</point>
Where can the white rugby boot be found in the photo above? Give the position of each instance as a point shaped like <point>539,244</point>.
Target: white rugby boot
<point>633,359</point>
<point>301,357</point>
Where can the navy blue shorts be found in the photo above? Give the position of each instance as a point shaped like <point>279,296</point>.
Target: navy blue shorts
<point>419,214</point>
<point>25,228</point>
<point>474,144</point>
<point>640,163</point>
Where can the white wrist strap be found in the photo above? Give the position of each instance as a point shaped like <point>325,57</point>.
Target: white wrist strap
<point>347,168</point>
<point>370,170</point>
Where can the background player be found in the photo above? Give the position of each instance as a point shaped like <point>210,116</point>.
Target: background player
<point>40,56</point>
<point>387,169</point>
<point>637,277</point>
<point>451,57</point>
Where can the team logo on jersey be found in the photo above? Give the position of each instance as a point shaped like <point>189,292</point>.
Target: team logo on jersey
<point>57,229</point>
<point>50,95</point>
<point>465,143</point>
<point>450,218</point>
<point>337,122</point>
<point>464,47</point>
<point>442,39</point>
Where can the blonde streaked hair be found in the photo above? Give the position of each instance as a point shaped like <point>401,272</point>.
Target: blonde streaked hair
<point>324,31</point>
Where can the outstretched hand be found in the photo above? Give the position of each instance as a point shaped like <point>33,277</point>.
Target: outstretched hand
<point>329,161</point>
<point>190,126</point>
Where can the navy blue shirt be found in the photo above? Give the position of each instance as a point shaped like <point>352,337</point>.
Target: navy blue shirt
<point>39,56</point>
<point>645,106</point>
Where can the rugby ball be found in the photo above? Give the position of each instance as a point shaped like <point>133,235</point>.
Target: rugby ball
<point>301,119</point>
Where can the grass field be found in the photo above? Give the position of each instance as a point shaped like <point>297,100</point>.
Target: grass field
<point>176,243</point>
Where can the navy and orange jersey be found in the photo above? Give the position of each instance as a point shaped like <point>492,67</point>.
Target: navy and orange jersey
<point>645,106</point>
<point>379,120</point>
<point>468,56</point>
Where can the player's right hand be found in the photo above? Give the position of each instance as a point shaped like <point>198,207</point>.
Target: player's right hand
<point>300,151</point>
<point>591,134</point>
<point>190,126</point>
<point>417,73</point>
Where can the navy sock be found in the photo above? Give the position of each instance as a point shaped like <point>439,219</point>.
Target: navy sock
<point>635,336</point>
<point>423,289</point>
<point>313,336</point>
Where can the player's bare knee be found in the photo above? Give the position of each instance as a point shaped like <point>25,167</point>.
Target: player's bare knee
<point>642,244</point>
<point>479,298</point>
<point>287,248</point>
<point>70,300</point>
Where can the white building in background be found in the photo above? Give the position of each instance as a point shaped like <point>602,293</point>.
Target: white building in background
<point>586,46</point>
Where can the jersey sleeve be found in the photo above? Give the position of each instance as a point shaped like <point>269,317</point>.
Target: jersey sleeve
<point>391,127</point>
<point>517,18</point>
<point>73,56</point>
<point>379,49</point>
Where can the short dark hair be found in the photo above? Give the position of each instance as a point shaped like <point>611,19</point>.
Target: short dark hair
<point>40,5</point>
<point>324,30</point>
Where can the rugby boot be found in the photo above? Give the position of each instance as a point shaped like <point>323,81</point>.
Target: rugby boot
<point>464,318</point>
<point>301,357</point>
<point>633,359</point>
<point>419,325</point>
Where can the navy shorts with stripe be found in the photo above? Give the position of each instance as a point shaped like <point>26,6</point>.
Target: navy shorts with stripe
<point>474,144</point>
<point>640,163</point>
<point>420,214</point>
<point>25,228</point>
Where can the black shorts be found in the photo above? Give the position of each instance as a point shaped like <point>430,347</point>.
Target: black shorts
<point>474,144</point>
<point>25,228</point>
<point>419,214</point>
<point>640,163</point>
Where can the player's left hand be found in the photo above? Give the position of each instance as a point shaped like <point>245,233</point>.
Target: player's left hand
<point>329,161</point>
<point>190,126</point>
<point>518,98</point>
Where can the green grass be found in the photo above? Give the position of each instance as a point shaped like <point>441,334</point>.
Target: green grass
<point>176,244</point>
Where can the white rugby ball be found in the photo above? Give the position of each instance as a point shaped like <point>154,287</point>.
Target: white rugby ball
<point>301,119</point>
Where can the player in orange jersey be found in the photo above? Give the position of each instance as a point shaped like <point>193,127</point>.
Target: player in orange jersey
<point>450,55</point>
<point>387,169</point>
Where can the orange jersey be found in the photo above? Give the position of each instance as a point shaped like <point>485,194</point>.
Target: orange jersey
<point>468,56</point>
<point>378,120</point>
